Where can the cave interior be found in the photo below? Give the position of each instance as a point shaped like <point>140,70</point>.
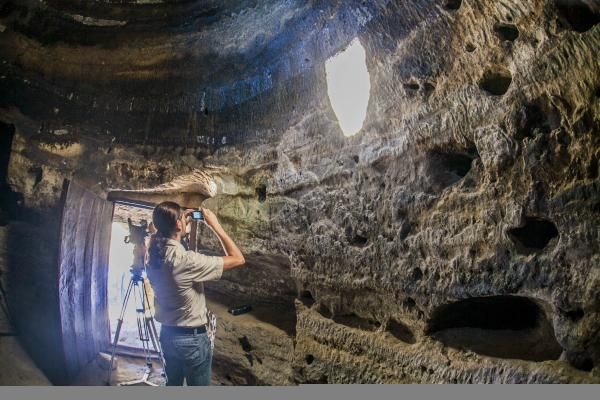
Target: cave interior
<point>414,184</point>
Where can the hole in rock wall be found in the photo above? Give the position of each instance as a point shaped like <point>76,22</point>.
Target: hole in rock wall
<point>497,326</point>
<point>506,31</point>
<point>411,86</point>
<point>452,4</point>
<point>309,359</point>
<point>306,298</point>
<point>578,15</point>
<point>470,47</point>
<point>261,193</point>
<point>446,168</point>
<point>359,241</point>
<point>496,80</point>
<point>428,87</point>
<point>534,235</point>
<point>417,274</point>
<point>575,315</point>
<point>580,361</point>
<point>349,86</point>
<point>405,230</point>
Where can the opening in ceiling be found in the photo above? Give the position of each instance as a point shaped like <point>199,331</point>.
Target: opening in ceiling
<point>349,86</point>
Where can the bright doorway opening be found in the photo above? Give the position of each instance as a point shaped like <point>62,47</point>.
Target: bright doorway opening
<point>120,274</point>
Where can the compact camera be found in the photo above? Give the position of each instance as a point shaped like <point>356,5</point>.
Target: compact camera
<point>197,215</point>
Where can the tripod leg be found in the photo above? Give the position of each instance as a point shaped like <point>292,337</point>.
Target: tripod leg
<point>154,332</point>
<point>145,335</point>
<point>141,322</point>
<point>118,330</point>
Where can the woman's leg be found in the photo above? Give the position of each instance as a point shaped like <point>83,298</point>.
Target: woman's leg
<point>189,356</point>
<point>174,368</point>
<point>198,372</point>
<point>174,371</point>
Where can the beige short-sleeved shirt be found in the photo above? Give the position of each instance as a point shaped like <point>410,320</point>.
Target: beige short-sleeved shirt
<point>178,290</point>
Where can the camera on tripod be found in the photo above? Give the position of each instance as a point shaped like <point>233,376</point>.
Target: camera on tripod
<point>141,292</point>
<point>137,236</point>
<point>137,233</point>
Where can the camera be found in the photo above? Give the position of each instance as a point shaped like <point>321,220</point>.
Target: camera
<point>137,233</point>
<point>197,215</point>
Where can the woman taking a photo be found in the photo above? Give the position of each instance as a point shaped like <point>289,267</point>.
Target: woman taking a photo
<point>176,276</point>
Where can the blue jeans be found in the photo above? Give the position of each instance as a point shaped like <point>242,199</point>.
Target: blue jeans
<point>187,356</point>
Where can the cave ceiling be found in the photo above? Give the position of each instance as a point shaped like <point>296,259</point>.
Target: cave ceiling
<point>137,69</point>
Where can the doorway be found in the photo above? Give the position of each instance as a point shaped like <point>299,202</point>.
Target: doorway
<point>121,258</point>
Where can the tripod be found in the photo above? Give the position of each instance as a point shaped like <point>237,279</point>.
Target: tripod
<point>146,327</point>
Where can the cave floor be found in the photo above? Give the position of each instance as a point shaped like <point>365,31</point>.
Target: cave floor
<point>277,318</point>
<point>20,370</point>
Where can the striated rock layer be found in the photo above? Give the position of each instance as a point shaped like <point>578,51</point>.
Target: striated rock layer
<point>454,239</point>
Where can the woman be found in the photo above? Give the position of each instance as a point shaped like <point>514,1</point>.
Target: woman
<point>176,275</point>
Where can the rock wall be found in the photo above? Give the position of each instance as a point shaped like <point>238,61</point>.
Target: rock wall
<point>445,242</point>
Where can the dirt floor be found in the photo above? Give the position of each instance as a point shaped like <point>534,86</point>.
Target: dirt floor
<point>19,370</point>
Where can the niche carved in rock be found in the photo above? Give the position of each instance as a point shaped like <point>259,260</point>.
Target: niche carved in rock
<point>354,321</point>
<point>578,15</point>
<point>446,168</point>
<point>533,236</point>
<point>496,80</point>
<point>497,326</point>
<point>506,31</point>
<point>453,4</point>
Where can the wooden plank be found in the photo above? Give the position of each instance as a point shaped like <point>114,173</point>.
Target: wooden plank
<point>99,303</point>
<point>66,274</point>
<point>85,242</point>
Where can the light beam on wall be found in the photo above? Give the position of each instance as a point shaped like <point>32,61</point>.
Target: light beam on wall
<point>349,86</point>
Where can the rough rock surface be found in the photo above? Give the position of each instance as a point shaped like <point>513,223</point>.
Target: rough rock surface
<point>458,226</point>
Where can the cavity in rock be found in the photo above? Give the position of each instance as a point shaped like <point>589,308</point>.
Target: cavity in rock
<point>354,321</point>
<point>261,193</point>
<point>446,168</point>
<point>496,326</point>
<point>534,235</point>
<point>496,80</point>
<point>506,31</point>
<point>578,15</point>
<point>453,4</point>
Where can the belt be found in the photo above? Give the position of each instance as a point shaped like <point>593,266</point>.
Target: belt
<point>184,329</point>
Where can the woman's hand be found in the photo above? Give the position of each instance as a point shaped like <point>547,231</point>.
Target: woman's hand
<point>210,218</point>
<point>234,257</point>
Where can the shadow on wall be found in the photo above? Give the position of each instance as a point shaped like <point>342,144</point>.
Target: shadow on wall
<point>32,288</point>
<point>33,294</point>
<point>497,326</point>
